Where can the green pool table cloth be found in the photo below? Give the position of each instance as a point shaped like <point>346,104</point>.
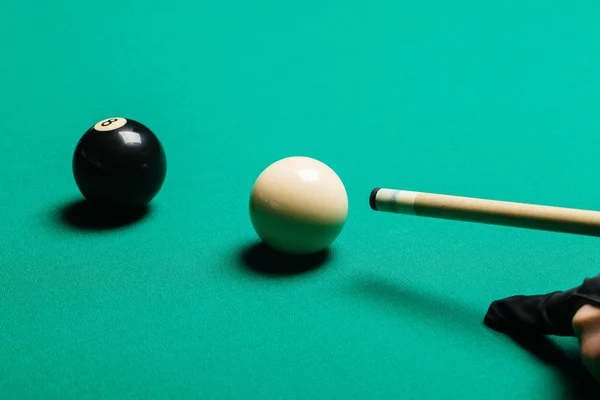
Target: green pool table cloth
<point>489,100</point>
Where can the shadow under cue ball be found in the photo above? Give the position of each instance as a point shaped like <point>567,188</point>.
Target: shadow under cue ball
<point>298,205</point>
<point>119,163</point>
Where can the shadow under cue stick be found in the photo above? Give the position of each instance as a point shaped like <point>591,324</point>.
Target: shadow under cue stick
<point>521,215</point>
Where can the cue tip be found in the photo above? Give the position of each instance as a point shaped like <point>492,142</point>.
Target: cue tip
<point>372,197</point>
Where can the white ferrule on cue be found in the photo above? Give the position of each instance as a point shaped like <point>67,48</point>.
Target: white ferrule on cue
<point>549,218</point>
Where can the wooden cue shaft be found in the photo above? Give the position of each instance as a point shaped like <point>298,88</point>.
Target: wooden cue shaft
<point>521,215</point>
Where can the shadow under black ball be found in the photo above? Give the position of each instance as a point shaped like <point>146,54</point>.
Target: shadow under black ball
<point>119,163</point>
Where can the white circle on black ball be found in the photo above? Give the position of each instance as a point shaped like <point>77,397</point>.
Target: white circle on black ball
<point>110,124</point>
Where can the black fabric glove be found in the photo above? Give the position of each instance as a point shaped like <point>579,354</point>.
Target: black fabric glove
<point>548,314</point>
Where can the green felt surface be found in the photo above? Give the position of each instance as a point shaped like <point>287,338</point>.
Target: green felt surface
<point>470,98</point>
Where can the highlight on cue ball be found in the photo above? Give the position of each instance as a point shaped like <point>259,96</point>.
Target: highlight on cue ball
<point>298,205</point>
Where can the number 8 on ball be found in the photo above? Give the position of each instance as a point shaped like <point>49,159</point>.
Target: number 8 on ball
<point>110,124</point>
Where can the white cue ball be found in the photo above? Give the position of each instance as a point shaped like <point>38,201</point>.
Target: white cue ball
<point>298,205</point>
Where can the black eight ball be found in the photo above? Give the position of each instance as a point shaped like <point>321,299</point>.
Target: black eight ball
<point>119,163</point>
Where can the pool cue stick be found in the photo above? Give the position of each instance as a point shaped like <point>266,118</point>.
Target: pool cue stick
<point>467,209</point>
